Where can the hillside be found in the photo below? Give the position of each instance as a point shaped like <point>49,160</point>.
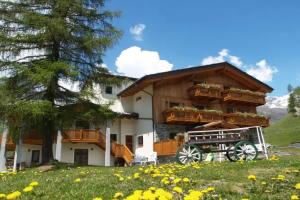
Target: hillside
<point>284,131</point>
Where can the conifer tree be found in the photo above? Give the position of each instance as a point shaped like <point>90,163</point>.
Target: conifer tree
<point>44,43</point>
<point>291,104</point>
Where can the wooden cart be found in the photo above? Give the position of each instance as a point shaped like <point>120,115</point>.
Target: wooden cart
<point>237,144</point>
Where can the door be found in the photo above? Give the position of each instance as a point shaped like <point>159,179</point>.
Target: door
<point>129,142</point>
<point>81,156</point>
<point>35,156</point>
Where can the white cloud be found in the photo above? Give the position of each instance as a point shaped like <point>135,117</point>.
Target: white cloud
<point>137,31</point>
<point>262,71</point>
<point>136,62</point>
<point>223,56</point>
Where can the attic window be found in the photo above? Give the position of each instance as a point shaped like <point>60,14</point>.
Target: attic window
<point>138,98</point>
<point>108,90</point>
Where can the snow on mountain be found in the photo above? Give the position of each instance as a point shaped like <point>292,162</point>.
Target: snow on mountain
<point>275,107</point>
<point>277,101</point>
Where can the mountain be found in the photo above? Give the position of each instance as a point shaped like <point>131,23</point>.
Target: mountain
<point>275,107</point>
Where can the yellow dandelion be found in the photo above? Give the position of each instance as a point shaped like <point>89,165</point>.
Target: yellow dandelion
<point>118,195</point>
<point>280,177</point>
<point>77,180</point>
<point>177,189</point>
<point>2,196</point>
<point>294,197</point>
<point>13,195</point>
<point>186,180</point>
<point>34,183</point>
<point>28,189</point>
<point>97,198</point>
<point>252,177</point>
<point>297,186</point>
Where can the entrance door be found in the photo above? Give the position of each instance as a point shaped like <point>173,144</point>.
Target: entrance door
<point>35,156</point>
<point>129,142</point>
<point>81,156</point>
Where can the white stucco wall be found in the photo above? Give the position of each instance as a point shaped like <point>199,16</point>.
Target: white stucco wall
<point>27,153</point>
<point>95,156</point>
<point>127,128</point>
<point>142,104</point>
<point>102,98</point>
<point>144,128</point>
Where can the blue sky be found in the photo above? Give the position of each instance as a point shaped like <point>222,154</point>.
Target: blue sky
<point>262,37</point>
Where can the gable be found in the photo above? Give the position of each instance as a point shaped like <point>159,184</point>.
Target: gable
<point>220,69</point>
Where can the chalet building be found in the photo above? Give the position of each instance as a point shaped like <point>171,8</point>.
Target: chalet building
<point>154,111</point>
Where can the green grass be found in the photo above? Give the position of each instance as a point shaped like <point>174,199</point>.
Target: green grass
<point>229,180</point>
<point>284,132</point>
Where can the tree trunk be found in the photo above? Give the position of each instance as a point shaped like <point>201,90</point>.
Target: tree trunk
<point>47,153</point>
<point>2,150</point>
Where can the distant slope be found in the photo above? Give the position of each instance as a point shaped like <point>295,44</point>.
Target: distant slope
<point>275,107</point>
<point>284,131</point>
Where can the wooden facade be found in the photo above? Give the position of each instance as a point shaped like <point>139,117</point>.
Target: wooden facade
<point>221,90</point>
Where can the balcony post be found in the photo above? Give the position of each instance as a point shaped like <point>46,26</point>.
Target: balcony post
<point>107,143</point>
<point>58,146</point>
<point>2,150</point>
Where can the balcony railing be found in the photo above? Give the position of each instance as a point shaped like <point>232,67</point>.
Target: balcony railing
<point>81,136</point>
<point>167,147</point>
<point>246,96</point>
<point>122,151</point>
<point>191,116</point>
<point>212,91</point>
<point>246,119</point>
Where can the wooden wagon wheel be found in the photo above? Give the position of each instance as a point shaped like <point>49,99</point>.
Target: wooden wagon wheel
<point>245,150</point>
<point>189,153</point>
<point>230,154</point>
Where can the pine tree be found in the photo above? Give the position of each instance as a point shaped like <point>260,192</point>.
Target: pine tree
<point>291,104</point>
<point>290,88</point>
<point>43,43</point>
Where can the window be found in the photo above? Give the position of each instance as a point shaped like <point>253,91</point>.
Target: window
<point>201,107</point>
<point>230,109</point>
<point>172,136</point>
<point>173,104</point>
<point>35,156</point>
<point>108,90</point>
<point>138,98</point>
<point>140,141</point>
<point>113,137</point>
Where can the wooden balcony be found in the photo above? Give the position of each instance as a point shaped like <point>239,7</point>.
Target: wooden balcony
<point>246,119</point>
<point>210,91</point>
<point>191,116</point>
<point>244,96</point>
<point>10,145</point>
<point>167,147</point>
<point>81,136</point>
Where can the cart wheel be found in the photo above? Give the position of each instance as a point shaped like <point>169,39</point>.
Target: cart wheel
<point>245,150</point>
<point>188,153</point>
<point>230,154</point>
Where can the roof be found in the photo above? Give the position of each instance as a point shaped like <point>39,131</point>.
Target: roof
<point>149,79</point>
